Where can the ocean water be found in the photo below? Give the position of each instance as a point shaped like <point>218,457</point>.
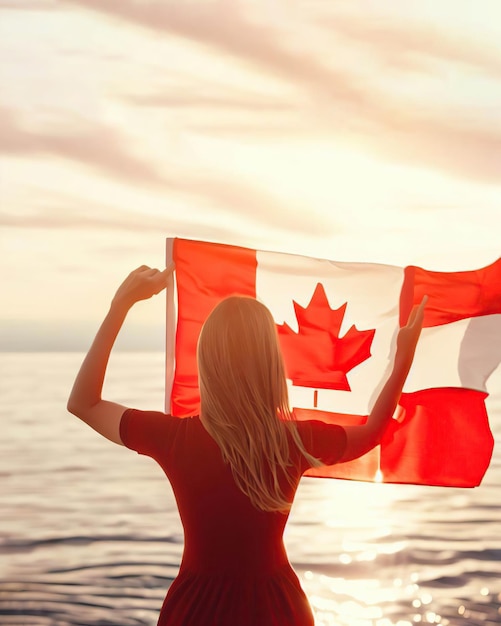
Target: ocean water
<point>90,534</point>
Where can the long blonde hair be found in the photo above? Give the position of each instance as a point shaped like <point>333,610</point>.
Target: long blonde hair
<point>244,398</point>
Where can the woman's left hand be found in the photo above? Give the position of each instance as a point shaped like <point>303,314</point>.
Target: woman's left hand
<point>141,284</point>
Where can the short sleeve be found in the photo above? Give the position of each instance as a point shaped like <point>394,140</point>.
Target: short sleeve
<point>147,432</point>
<point>326,442</point>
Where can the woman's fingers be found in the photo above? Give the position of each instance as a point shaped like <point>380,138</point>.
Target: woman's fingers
<point>144,271</point>
<point>412,315</point>
<point>169,269</point>
<point>152,271</point>
<point>143,283</point>
<point>417,313</point>
<point>159,278</point>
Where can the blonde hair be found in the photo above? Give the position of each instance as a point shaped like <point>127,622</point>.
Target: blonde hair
<point>244,398</point>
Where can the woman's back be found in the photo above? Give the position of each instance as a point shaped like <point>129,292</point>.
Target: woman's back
<point>233,551</point>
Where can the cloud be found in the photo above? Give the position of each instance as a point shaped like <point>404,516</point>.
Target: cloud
<point>225,112</point>
<point>72,216</point>
<point>219,106</point>
<point>29,5</point>
<point>221,26</point>
<point>104,217</point>
<point>102,148</point>
<point>264,129</point>
<point>174,99</point>
<point>464,151</point>
<point>92,144</point>
<point>342,102</point>
<point>411,43</point>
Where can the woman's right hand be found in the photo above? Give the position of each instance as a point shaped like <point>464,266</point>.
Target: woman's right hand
<point>361,439</point>
<point>408,335</point>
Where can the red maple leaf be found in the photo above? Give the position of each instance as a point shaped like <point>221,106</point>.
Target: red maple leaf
<point>316,356</point>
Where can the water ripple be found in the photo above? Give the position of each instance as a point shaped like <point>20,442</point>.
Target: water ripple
<point>90,534</point>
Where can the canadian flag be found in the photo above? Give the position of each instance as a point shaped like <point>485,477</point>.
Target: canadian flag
<point>337,324</point>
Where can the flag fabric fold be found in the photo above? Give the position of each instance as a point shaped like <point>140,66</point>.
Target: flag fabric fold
<point>337,324</point>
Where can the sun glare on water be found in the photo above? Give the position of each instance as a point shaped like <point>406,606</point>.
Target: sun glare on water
<point>365,524</point>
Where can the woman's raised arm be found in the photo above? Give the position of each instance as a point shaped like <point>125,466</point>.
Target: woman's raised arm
<point>85,399</point>
<point>361,439</point>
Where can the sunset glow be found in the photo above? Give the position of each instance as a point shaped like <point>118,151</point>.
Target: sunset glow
<point>352,131</point>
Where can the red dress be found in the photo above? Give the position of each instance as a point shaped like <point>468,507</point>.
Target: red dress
<point>234,570</point>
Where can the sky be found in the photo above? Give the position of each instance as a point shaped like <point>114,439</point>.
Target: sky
<point>355,131</point>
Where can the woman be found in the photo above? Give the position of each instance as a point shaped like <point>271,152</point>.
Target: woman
<point>235,468</point>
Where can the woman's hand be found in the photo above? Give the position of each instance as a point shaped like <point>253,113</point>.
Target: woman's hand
<point>361,439</point>
<point>141,284</point>
<point>85,399</point>
<point>408,335</point>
